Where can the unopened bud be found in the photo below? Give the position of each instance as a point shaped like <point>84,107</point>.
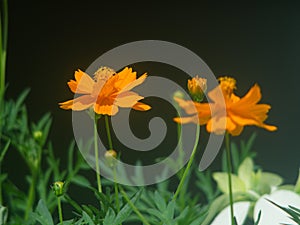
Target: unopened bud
<point>58,188</point>
<point>197,87</point>
<point>111,156</point>
<point>37,135</point>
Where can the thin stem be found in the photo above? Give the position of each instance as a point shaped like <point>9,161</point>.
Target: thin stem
<point>115,176</point>
<point>108,133</point>
<point>97,156</point>
<point>187,169</point>
<point>3,46</point>
<point>138,213</point>
<point>180,149</point>
<point>229,169</point>
<point>1,200</point>
<point>59,210</point>
<point>31,195</point>
<point>116,191</point>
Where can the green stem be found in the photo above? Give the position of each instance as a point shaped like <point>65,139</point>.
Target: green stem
<point>115,177</point>
<point>116,191</point>
<point>229,169</point>
<point>59,210</point>
<point>1,200</point>
<point>3,46</point>
<point>97,155</point>
<point>31,195</point>
<point>187,169</point>
<point>135,209</point>
<point>108,132</point>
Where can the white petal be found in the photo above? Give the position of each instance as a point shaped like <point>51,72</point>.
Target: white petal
<point>271,214</point>
<point>240,212</point>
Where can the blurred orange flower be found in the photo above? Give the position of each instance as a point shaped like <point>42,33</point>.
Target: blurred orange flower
<point>231,116</point>
<point>106,92</point>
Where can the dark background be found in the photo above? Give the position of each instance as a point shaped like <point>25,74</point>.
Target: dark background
<point>255,42</point>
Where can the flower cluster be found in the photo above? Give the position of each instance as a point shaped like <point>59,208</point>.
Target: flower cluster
<point>227,112</point>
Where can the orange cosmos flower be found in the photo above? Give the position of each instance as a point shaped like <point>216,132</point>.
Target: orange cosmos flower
<point>106,92</point>
<point>231,116</point>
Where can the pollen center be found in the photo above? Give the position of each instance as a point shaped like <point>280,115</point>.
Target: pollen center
<point>227,84</point>
<point>103,73</point>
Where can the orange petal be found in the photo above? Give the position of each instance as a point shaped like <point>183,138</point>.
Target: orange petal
<point>188,106</point>
<point>127,99</point>
<point>135,83</point>
<point>78,104</point>
<point>141,106</point>
<point>66,104</point>
<point>125,77</point>
<point>245,114</point>
<point>184,120</point>
<point>110,110</point>
<point>252,97</point>
<point>269,127</point>
<point>216,95</point>
<point>237,131</point>
<point>217,126</point>
<point>83,83</point>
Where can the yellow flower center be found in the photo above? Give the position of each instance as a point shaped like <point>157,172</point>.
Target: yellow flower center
<point>103,73</point>
<point>227,84</point>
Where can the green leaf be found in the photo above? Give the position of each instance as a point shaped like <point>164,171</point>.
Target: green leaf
<point>81,181</point>
<point>297,186</point>
<point>138,177</point>
<point>4,150</point>
<point>272,179</point>
<point>2,178</point>
<point>259,185</point>
<point>216,206</point>
<point>245,172</point>
<point>73,203</point>
<point>3,214</point>
<point>258,218</point>
<point>109,217</point>
<point>235,157</point>
<point>170,210</point>
<point>160,202</point>
<point>42,214</point>
<point>87,218</point>
<point>126,210</point>
<point>222,180</point>
<point>71,156</point>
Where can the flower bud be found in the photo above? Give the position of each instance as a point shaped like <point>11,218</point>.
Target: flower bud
<point>197,87</point>
<point>37,135</point>
<point>111,156</point>
<point>58,188</point>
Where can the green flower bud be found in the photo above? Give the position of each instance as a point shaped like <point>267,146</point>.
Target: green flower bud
<point>111,156</point>
<point>197,87</point>
<point>58,188</point>
<point>37,135</point>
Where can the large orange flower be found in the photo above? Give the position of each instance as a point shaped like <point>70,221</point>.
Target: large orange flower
<point>106,92</point>
<point>231,116</point>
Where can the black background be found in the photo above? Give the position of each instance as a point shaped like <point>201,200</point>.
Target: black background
<point>253,42</point>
